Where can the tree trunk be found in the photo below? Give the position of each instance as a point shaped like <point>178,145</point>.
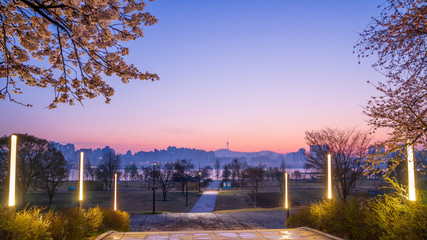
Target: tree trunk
<point>256,193</point>
<point>50,193</point>
<point>164,195</point>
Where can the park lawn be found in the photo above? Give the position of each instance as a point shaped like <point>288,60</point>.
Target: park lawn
<point>266,198</point>
<point>131,201</point>
<point>301,193</point>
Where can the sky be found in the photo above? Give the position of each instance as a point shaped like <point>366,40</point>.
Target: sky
<point>255,73</point>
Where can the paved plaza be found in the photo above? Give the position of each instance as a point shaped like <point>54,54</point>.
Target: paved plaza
<point>208,221</point>
<point>292,233</point>
<point>202,223</point>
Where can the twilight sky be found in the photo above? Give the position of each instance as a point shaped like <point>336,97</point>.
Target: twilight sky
<point>258,73</point>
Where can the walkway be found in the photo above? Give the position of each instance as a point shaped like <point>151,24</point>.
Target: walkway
<point>208,221</point>
<point>206,203</point>
<point>292,233</point>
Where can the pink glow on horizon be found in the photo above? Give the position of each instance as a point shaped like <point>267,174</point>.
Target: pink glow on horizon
<point>258,85</point>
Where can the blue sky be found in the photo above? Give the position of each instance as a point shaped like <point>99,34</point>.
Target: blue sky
<point>258,73</point>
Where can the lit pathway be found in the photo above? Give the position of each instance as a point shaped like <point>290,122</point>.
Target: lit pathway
<point>291,233</point>
<point>206,203</point>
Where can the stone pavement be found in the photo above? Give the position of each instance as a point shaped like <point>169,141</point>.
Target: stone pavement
<point>207,201</point>
<point>208,221</point>
<point>292,233</point>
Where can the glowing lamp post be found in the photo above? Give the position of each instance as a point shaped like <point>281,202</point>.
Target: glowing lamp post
<point>81,179</point>
<point>286,196</point>
<point>154,187</point>
<point>12,173</point>
<point>115,191</point>
<point>200,179</point>
<point>411,172</point>
<point>329,177</point>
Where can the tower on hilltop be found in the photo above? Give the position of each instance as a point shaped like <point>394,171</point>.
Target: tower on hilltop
<point>227,145</point>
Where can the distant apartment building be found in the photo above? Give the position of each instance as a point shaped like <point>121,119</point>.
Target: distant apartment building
<point>295,159</point>
<point>71,155</point>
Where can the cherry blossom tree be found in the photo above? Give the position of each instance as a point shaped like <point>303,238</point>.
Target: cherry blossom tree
<point>398,39</point>
<point>78,44</point>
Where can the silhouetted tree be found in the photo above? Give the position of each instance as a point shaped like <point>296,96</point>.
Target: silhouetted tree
<point>146,174</point>
<point>132,171</point>
<point>89,170</point>
<point>54,171</point>
<point>31,152</point>
<point>297,175</point>
<point>166,178</point>
<point>206,172</point>
<point>348,149</point>
<point>255,176</point>
<point>109,165</point>
<point>269,173</point>
<point>217,168</point>
<point>278,174</point>
<point>235,170</point>
<point>182,172</point>
<point>37,162</point>
<point>226,172</point>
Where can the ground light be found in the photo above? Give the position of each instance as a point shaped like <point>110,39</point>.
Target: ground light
<point>329,177</point>
<point>286,196</point>
<point>12,173</point>
<point>411,172</point>
<point>115,191</point>
<point>81,179</point>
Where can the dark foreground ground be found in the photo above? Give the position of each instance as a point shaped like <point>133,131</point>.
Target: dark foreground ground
<point>209,221</point>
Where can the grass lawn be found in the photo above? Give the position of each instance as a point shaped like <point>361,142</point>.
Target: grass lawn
<point>132,200</point>
<point>301,193</point>
<point>135,198</point>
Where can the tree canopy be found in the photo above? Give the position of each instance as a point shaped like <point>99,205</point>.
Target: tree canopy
<point>348,149</point>
<point>398,38</point>
<point>78,42</point>
<point>37,162</point>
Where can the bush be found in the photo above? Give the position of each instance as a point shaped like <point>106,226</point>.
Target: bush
<point>69,224</point>
<point>25,224</point>
<point>118,220</point>
<point>387,217</point>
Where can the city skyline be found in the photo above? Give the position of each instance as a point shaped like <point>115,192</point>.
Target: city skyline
<point>256,74</point>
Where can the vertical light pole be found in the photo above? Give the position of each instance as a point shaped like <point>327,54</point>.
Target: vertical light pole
<point>329,177</point>
<point>411,172</point>
<point>286,196</point>
<point>186,191</point>
<point>154,187</point>
<point>81,164</point>
<point>12,172</point>
<point>200,178</point>
<point>115,191</point>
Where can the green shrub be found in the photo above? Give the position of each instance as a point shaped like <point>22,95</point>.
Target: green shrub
<point>75,223</point>
<point>94,217</point>
<point>115,220</point>
<point>398,218</point>
<point>25,224</point>
<point>387,217</point>
<point>70,224</point>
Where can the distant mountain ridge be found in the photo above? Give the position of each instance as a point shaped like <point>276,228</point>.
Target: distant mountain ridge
<point>228,153</point>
